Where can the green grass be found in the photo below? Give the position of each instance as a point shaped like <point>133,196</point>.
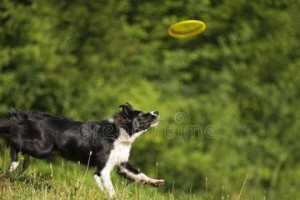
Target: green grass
<point>16,186</point>
<point>61,179</point>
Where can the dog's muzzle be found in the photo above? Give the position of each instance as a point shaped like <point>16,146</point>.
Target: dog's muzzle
<point>155,115</point>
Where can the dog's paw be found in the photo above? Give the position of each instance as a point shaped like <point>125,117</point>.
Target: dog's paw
<point>157,183</point>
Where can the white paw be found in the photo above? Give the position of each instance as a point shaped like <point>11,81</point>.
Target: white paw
<point>157,182</point>
<point>13,166</point>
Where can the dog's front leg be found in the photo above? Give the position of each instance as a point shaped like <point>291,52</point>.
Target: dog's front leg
<point>129,172</point>
<point>99,181</point>
<point>102,178</point>
<point>105,176</point>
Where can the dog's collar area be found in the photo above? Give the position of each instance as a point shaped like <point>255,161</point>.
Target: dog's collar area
<point>124,137</point>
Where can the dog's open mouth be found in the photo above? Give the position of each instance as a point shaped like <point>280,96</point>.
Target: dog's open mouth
<point>155,122</point>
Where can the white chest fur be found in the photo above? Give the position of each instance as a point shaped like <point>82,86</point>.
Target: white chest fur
<point>120,153</point>
<point>121,149</point>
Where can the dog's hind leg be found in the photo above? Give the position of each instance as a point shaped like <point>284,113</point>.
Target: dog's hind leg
<point>26,162</point>
<point>14,158</point>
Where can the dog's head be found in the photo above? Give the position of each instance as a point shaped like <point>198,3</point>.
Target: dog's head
<point>136,121</point>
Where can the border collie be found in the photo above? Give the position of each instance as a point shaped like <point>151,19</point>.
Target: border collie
<point>103,144</point>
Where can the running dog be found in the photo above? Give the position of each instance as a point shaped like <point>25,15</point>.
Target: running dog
<point>103,144</point>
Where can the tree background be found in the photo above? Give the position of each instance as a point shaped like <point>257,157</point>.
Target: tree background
<point>229,98</point>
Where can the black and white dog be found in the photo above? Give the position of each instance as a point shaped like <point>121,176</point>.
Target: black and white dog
<point>103,144</point>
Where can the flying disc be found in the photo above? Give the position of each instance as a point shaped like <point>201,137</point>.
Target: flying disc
<point>186,28</point>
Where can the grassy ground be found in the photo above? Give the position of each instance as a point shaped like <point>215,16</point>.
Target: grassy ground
<point>61,179</point>
<point>66,180</point>
<point>14,186</point>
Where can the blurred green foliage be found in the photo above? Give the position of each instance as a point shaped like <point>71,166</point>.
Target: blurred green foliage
<point>229,98</point>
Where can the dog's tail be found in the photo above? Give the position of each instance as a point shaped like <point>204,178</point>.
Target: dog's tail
<point>11,119</point>
<point>5,125</point>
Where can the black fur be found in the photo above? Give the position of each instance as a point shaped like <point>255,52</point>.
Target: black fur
<point>130,168</point>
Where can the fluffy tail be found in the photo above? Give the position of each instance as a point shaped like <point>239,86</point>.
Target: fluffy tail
<point>11,119</point>
<point>5,125</point>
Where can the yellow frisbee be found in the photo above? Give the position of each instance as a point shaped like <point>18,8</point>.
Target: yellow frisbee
<point>186,28</point>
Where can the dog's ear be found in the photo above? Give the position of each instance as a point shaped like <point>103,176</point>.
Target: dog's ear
<point>126,108</point>
<point>130,106</point>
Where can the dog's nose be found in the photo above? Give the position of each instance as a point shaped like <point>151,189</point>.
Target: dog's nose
<point>156,113</point>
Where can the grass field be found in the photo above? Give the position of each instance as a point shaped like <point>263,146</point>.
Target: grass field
<point>61,179</point>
